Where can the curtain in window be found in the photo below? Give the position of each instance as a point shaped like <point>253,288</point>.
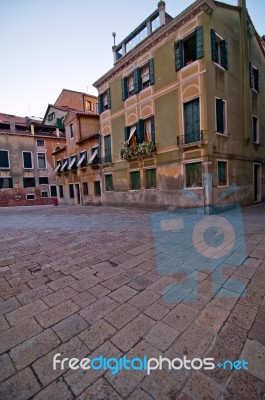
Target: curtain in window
<point>221,173</point>
<point>147,130</point>
<point>194,175</point>
<point>150,176</point>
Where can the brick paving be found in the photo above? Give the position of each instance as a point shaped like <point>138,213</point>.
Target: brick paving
<point>83,282</point>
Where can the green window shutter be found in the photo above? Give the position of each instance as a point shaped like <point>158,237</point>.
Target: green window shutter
<point>224,54</point>
<point>151,71</point>
<point>108,183</point>
<point>213,46</point>
<point>221,173</point>
<point>199,42</point>
<point>107,148</point>
<point>137,80</point>
<point>194,175</point>
<point>153,128</point>
<point>251,82</point>
<point>192,121</point>
<point>140,131</point>
<point>258,81</point>
<point>126,133</point>
<point>100,104</point>
<point>124,89</point>
<point>150,178</point>
<point>220,115</point>
<point>108,98</point>
<point>135,180</point>
<point>179,60</point>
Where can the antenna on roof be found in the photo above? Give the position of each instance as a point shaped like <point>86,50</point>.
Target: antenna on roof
<point>114,35</point>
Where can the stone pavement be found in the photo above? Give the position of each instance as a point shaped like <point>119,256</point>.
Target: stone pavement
<point>83,282</point>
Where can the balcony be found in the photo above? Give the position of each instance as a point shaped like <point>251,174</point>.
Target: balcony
<point>197,139</point>
<point>142,150</point>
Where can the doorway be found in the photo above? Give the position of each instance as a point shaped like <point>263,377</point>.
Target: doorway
<point>257,182</point>
<point>77,193</point>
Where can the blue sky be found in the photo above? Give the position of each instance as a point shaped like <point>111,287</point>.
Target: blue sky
<point>48,45</point>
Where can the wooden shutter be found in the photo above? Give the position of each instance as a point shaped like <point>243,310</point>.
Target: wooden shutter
<point>192,121</point>
<point>220,115</point>
<point>224,54</point>
<point>124,89</point>
<point>107,148</point>
<point>153,128</point>
<point>258,81</point>
<point>137,80</point>
<point>108,98</point>
<point>126,133</point>
<point>100,104</point>
<point>151,71</point>
<point>213,46</point>
<point>140,131</point>
<point>199,42</point>
<point>179,60</point>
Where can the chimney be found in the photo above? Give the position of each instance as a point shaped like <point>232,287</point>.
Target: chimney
<point>162,12</point>
<point>242,4</point>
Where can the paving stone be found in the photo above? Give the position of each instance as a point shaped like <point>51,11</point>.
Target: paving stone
<point>116,282</point>
<point>18,334</point>
<point>26,312</point>
<point>6,367</point>
<point>62,282</point>
<point>194,341</point>
<point>99,291</point>
<point>220,354</point>
<point>100,390</point>
<point>21,386</point>
<point>14,291</point>
<point>225,299</point>
<point>243,316</point>
<point>84,299</point>
<point>96,334</point>
<point>83,273</point>
<point>57,313</point>
<point>98,309</point>
<point>84,284</point>
<point>135,272</point>
<point>236,284</point>
<point>132,332</point>
<point>43,367</point>
<point>33,283</point>
<point>232,337</point>
<point>58,297</point>
<point>109,273</point>
<point>245,271</point>
<point>144,299</point>
<point>252,297</point>
<point>34,294</point>
<point>70,327</point>
<point>162,284</point>
<point>180,317</point>
<point>9,305</point>
<point>122,315</point>
<point>139,394</point>
<point>198,385</point>
<point>213,317</point>
<point>254,353</point>
<point>32,349</point>
<point>162,336</point>
<point>3,323</point>
<point>123,294</point>
<point>156,311</point>
<point>57,390</point>
<point>252,262</point>
<point>140,283</point>
<point>163,385</point>
<point>243,386</point>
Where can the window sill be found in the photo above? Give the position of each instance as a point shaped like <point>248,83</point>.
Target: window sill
<point>219,66</point>
<point>135,190</point>
<point>254,90</point>
<point>257,143</point>
<point>4,168</point>
<point>193,187</point>
<point>222,186</point>
<point>28,169</point>
<point>222,134</point>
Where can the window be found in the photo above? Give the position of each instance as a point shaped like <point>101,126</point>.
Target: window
<point>65,164</point>
<point>40,143</point>
<point>97,189</point>
<point>4,159</point>
<point>6,183</point>
<point>44,194</point>
<point>194,174</point>
<point>29,182</point>
<point>189,49</point>
<point>149,129</point>
<point>143,131</point>
<point>73,163</point>
<point>30,197</point>
<point>82,160</point>
<point>107,148</point>
<point>192,132</point>
<point>97,107</point>
<point>254,78</point>
<point>108,183</point>
<point>71,191</point>
<point>150,178</point>
<point>104,101</point>
<point>219,50</point>
<point>61,191</point>
<point>255,129</point>
<point>88,105</point>
<point>53,191</point>
<point>140,79</point>
<point>220,114</point>
<point>71,126</point>
<point>222,173</point>
<point>43,180</point>
<point>85,188</point>
<point>94,159</point>
<point>135,180</point>
<point>51,116</point>
<point>42,161</point>
<point>27,159</point>
<point>58,166</point>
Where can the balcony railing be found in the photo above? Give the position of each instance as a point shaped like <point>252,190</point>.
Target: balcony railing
<point>197,138</point>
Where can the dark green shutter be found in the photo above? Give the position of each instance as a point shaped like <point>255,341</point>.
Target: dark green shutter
<point>199,42</point>
<point>221,173</point>
<point>220,115</point>
<point>108,98</point>
<point>107,148</point>
<point>151,71</point>
<point>140,131</point>
<point>124,89</point>
<point>126,133</point>
<point>179,60</point>
<point>137,80</point>
<point>153,128</point>
<point>251,81</point>
<point>135,180</point>
<point>192,121</point>
<point>224,54</point>
<point>258,81</point>
<point>213,45</point>
<point>150,178</point>
<point>100,104</point>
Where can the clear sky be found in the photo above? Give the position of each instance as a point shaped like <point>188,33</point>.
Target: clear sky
<point>48,45</point>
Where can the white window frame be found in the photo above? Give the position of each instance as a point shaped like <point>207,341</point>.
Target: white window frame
<point>258,136</point>
<point>218,64</point>
<point>188,100</point>
<point>45,197</point>
<point>6,168</point>
<point>253,79</point>
<point>199,160</point>
<point>30,194</point>
<point>53,197</point>
<point>227,174</point>
<point>41,152</point>
<point>24,151</point>
<point>71,131</point>
<point>224,116</point>
<point>42,140</point>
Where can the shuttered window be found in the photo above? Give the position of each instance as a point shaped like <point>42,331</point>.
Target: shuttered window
<point>140,79</point>
<point>220,110</point>
<point>107,148</point>
<point>192,121</point>
<point>194,174</point>
<point>254,78</point>
<point>150,178</point>
<point>104,101</point>
<point>189,49</point>
<point>222,173</point>
<point>6,183</point>
<point>135,180</point>
<point>108,183</point>
<point>219,50</point>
